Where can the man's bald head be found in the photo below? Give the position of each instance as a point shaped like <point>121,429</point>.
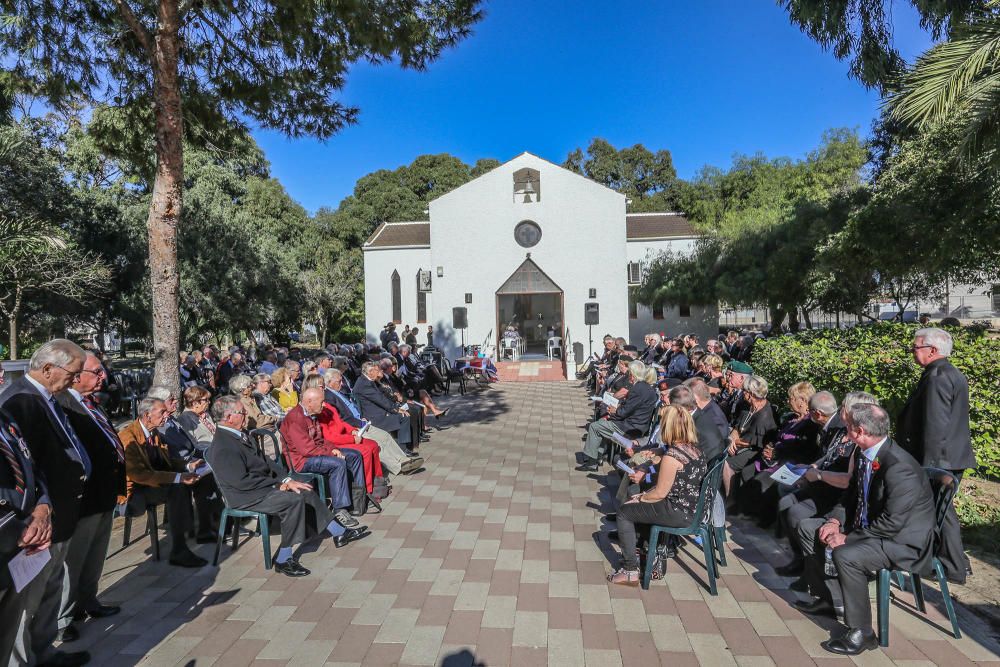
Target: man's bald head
<point>312,400</point>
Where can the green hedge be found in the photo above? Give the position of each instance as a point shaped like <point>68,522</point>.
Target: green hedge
<point>876,359</point>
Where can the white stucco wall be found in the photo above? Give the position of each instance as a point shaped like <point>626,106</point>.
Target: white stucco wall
<point>703,319</point>
<point>379,265</point>
<point>582,247</point>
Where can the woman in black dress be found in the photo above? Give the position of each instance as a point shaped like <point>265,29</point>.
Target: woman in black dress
<point>672,501</point>
<point>795,444</point>
<point>753,429</point>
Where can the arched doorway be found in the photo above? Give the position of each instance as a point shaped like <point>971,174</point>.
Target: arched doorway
<point>532,303</point>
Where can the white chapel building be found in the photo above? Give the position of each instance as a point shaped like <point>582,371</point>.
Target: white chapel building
<point>527,245</point>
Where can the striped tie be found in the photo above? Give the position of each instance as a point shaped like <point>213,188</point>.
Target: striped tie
<point>15,465</point>
<point>105,425</point>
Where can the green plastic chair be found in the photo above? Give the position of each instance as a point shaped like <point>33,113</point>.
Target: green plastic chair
<point>945,487</point>
<point>263,529</point>
<point>698,526</point>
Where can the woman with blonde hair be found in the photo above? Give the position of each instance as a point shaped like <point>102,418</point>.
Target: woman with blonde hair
<point>284,389</point>
<point>672,500</point>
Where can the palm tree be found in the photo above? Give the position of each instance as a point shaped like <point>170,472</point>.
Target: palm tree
<point>958,81</point>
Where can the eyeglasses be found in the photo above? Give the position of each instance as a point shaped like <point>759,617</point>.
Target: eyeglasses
<point>75,374</point>
<point>99,371</point>
<point>914,348</point>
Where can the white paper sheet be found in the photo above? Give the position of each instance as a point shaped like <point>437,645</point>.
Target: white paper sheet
<point>621,465</point>
<point>23,568</point>
<point>609,400</point>
<point>787,474</point>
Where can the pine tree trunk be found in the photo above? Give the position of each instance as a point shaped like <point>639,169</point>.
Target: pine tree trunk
<point>165,208</point>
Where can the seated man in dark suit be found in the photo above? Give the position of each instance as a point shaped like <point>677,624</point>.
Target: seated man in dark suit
<point>154,477</point>
<point>250,482</point>
<point>631,418</point>
<point>819,490</point>
<point>377,408</point>
<point>884,520</point>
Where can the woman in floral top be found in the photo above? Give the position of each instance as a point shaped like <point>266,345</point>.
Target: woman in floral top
<point>672,501</point>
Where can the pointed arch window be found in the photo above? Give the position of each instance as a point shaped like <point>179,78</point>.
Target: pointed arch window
<point>421,302</point>
<point>397,299</point>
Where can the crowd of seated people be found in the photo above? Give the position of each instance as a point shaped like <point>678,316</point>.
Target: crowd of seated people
<point>347,417</point>
<point>848,497</point>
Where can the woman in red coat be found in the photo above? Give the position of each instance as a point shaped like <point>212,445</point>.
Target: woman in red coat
<point>342,435</point>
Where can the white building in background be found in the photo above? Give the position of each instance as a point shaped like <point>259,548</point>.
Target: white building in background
<point>526,245</point>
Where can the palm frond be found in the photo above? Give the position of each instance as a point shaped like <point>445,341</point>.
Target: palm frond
<point>939,83</point>
<point>24,236</point>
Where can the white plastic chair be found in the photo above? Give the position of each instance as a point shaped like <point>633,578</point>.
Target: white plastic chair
<point>554,345</point>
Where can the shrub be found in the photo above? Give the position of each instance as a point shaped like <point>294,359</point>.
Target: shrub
<point>876,359</point>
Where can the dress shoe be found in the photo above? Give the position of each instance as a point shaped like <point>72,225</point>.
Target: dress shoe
<point>412,454</point>
<point>350,535</point>
<point>68,634</point>
<point>852,642</point>
<point>188,559</point>
<point>64,659</point>
<point>345,519</point>
<point>588,465</point>
<point>818,607</point>
<point>425,438</point>
<point>291,568</point>
<point>792,569</point>
<point>103,611</point>
<point>800,585</point>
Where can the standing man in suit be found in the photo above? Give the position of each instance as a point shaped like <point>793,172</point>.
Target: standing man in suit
<point>885,520</point>
<point>153,476</point>
<point>65,465</point>
<point>25,524</point>
<point>89,545</point>
<point>377,408</point>
<point>934,427</point>
<point>250,482</point>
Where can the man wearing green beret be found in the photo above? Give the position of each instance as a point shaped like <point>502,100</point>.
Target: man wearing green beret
<point>731,397</point>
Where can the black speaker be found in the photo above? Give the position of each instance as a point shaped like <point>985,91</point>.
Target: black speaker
<point>591,313</point>
<point>459,318</point>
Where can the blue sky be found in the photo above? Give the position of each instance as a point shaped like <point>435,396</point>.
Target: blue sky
<point>704,79</point>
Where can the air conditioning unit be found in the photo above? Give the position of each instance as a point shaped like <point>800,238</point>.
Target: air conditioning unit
<point>424,281</point>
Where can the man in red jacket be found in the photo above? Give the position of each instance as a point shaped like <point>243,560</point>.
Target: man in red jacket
<point>306,450</point>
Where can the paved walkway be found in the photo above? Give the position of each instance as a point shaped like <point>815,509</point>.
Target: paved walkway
<point>492,555</point>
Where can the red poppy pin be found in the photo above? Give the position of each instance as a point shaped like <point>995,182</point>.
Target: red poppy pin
<point>875,465</point>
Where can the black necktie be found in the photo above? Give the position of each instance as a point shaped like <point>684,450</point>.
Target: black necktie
<point>71,434</point>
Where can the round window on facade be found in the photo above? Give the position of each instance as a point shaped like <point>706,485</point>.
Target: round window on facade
<point>527,234</point>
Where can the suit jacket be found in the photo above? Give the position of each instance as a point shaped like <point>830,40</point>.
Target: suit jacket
<point>339,403</point>
<point>197,431</point>
<point>934,424</point>
<point>678,366</point>
<point>107,478</point>
<point>376,407</point>
<point>837,451</point>
<point>900,508</point>
<point>710,440</point>
<point>713,410</point>
<point>57,460</point>
<point>179,442</point>
<point>303,438</point>
<point>147,463</point>
<point>243,477</point>
<point>12,500</point>
<point>636,410</point>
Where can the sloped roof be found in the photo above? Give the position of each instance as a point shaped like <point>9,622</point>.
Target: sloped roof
<point>640,226</point>
<point>400,234</point>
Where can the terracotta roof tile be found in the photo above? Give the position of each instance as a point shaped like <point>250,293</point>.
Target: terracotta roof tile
<point>396,234</point>
<point>657,226</point>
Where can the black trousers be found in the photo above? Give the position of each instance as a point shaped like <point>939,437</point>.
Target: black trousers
<point>178,501</point>
<point>207,504</point>
<point>302,515</point>
<point>951,552</point>
<point>661,513</point>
